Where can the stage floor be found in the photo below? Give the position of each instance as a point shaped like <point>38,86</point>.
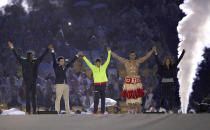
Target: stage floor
<point>107,122</point>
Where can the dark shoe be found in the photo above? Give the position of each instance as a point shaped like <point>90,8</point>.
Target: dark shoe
<point>34,112</point>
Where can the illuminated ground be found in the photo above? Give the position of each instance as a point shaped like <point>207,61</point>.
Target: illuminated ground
<point>106,122</point>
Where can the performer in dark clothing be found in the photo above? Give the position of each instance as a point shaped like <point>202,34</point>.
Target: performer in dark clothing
<point>167,72</point>
<point>62,88</point>
<point>30,67</point>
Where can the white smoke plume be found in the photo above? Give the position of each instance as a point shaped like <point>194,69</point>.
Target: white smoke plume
<point>4,3</point>
<point>194,35</point>
<point>24,4</point>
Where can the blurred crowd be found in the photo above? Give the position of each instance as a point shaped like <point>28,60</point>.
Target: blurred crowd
<point>89,26</point>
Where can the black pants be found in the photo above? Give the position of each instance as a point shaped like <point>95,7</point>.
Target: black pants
<point>168,96</point>
<point>99,92</point>
<point>30,88</point>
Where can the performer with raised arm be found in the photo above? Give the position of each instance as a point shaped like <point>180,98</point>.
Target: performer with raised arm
<point>167,71</point>
<point>62,88</point>
<point>132,89</point>
<point>30,67</point>
<point>100,80</point>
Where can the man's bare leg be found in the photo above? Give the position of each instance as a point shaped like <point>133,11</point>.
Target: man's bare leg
<point>139,108</point>
<point>130,108</point>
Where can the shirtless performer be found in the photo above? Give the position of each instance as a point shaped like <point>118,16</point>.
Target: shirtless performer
<point>132,89</point>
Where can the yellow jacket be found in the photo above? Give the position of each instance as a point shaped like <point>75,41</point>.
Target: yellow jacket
<point>99,73</point>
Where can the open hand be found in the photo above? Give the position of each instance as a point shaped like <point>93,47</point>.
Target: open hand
<point>108,49</point>
<point>10,44</point>
<point>51,47</point>
<point>80,53</point>
<point>154,48</point>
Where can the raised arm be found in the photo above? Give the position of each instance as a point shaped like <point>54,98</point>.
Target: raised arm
<point>148,55</point>
<point>18,57</point>
<point>122,60</point>
<point>72,61</point>
<point>180,58</point>
<point>90,65</point>
<point>53,56</point>
<point>108,58</point>
<point>157,58</point>
<point>39,60</point>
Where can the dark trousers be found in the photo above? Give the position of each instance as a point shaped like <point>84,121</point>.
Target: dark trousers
<point>30,96</point>
<point>99,92</point>
<point>168,96</point>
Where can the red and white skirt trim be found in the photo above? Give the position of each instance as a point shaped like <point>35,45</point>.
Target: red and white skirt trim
<point>133,90</point>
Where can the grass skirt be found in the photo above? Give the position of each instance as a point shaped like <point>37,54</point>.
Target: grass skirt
<point>133,90</point>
